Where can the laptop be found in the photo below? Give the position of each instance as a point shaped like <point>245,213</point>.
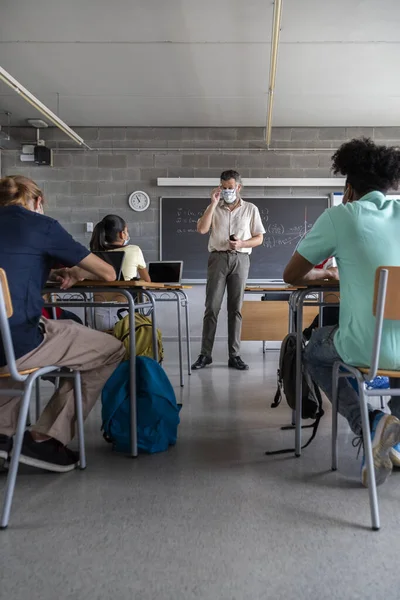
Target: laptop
<point>115,259</point>
<point>163,271</point>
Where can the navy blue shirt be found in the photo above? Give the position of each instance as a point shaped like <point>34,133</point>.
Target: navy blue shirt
<point>30,246</point>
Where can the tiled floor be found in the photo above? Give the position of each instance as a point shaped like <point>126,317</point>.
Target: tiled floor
<point>213,518</point>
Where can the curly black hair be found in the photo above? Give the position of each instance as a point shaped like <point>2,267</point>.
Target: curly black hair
<point>368,167</point>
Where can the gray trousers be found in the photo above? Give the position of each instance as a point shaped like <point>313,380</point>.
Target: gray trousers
<point>226,270</point>
<point>66,344</point>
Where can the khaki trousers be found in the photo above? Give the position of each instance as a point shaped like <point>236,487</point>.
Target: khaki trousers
<point>65,344</point>
<point>226,270</point>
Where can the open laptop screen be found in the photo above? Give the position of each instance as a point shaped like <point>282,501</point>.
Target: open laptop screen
<point>166,272</point>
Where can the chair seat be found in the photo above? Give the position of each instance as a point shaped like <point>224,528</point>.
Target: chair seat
<point>381,372</point>
<point>25,372</point>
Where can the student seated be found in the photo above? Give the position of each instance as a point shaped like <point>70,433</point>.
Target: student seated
<point>362,234</point>
<point>111,235</point>
<point>30,243</point>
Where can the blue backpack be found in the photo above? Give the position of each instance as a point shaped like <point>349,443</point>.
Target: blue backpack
<point>157,411</point>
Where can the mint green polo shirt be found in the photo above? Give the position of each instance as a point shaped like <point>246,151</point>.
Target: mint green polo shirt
<point>362,236</point>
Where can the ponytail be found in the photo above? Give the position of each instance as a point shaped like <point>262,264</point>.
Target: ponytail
<point>18,190</point>
<point>98,239</point>
<point>105,234</point>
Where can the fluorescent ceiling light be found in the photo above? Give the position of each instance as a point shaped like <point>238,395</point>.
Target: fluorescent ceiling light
<point>331,182</point>
<point>42,108</point>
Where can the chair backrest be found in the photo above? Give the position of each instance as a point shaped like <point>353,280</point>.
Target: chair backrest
<point>6,293</point>
<point>392,301</point>
<point>386,306</point>
<point>6,311</point>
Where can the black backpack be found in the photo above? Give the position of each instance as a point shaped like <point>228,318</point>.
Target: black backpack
<point>312,400</point>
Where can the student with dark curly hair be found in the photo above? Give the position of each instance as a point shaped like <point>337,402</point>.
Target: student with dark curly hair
<point>362,234</point>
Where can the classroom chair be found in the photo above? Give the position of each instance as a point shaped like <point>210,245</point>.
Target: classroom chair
<point>28,379</point>
<point>386,306</point>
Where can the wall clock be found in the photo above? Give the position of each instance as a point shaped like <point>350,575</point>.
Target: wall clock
<point>139,201</point>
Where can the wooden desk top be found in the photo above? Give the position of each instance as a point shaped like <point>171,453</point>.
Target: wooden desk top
<point>270,288</point>
<point>91,283</point>
<point>292,288</point>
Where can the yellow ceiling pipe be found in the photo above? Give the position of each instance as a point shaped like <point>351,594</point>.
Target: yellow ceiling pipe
<point>276,29</point>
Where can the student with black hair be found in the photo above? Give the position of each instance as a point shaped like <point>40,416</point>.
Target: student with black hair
<point>362,234</point>
<point>236,228</point>
<point>111,235</point>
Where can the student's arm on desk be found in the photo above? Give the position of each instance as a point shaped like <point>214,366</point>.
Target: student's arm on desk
<point>301,272</point>
<point>91,267</point>
<point>317,245</point>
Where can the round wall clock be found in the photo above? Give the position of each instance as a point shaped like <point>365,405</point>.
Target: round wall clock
<point>139,201</point>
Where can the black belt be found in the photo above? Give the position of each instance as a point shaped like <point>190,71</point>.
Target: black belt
<point>229,252</point>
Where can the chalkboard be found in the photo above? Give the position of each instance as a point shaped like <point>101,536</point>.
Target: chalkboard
<point>285,220</point>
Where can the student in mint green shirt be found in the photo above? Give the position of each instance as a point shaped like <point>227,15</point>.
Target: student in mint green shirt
<point>362,234</point>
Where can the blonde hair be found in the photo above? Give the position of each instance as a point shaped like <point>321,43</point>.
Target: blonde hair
<point>18,190</point>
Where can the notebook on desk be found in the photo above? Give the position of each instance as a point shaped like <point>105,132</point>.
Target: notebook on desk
<point>115,259</point>
<point>168,272</point>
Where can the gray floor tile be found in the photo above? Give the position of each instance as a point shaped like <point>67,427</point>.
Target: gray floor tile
<point>213,518</point>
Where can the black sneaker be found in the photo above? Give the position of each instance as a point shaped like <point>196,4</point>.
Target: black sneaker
<point>202,362</point>
<point>50,455</point>
<point>5,449</point>
<point>235,362</point>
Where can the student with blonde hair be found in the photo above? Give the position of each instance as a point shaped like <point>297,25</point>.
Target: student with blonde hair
<point>31,244</point>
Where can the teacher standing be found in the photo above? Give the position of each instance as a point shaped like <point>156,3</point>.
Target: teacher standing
<point>236,228</point>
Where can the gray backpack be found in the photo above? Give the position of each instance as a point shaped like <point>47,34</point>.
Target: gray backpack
<point>311,396</point>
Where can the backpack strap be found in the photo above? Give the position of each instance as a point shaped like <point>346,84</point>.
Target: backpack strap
<point>278,397</point>
<point>120,313</point>
<point>314,425</point>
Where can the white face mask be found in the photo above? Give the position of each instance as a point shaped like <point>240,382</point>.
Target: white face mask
<point>126,242</point>
<point>229,196</point>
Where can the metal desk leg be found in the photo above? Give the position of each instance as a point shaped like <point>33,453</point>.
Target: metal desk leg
<point>53,298</point>
<point>178,305</point>
<point>132,360</point>
<point>154,329</point>
<point>299,330</point>
<point>292,312</point>
<point>291,329</point>
<point>152,299</point>
<point>188,347</point>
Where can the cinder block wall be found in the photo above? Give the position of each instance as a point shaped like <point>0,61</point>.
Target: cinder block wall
<point>85,186</point>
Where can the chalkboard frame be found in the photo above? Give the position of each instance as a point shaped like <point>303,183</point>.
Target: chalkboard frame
<point>329,202</point>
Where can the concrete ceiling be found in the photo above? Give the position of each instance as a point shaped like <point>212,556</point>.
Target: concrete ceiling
<point>203,62</point>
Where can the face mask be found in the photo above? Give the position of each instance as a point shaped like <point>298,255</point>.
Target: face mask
<point>126,242</point>
<point>229,196</point>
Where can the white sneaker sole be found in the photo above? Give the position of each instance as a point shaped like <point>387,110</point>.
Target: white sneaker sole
<point>386,436</point>
<point>46,466</point>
